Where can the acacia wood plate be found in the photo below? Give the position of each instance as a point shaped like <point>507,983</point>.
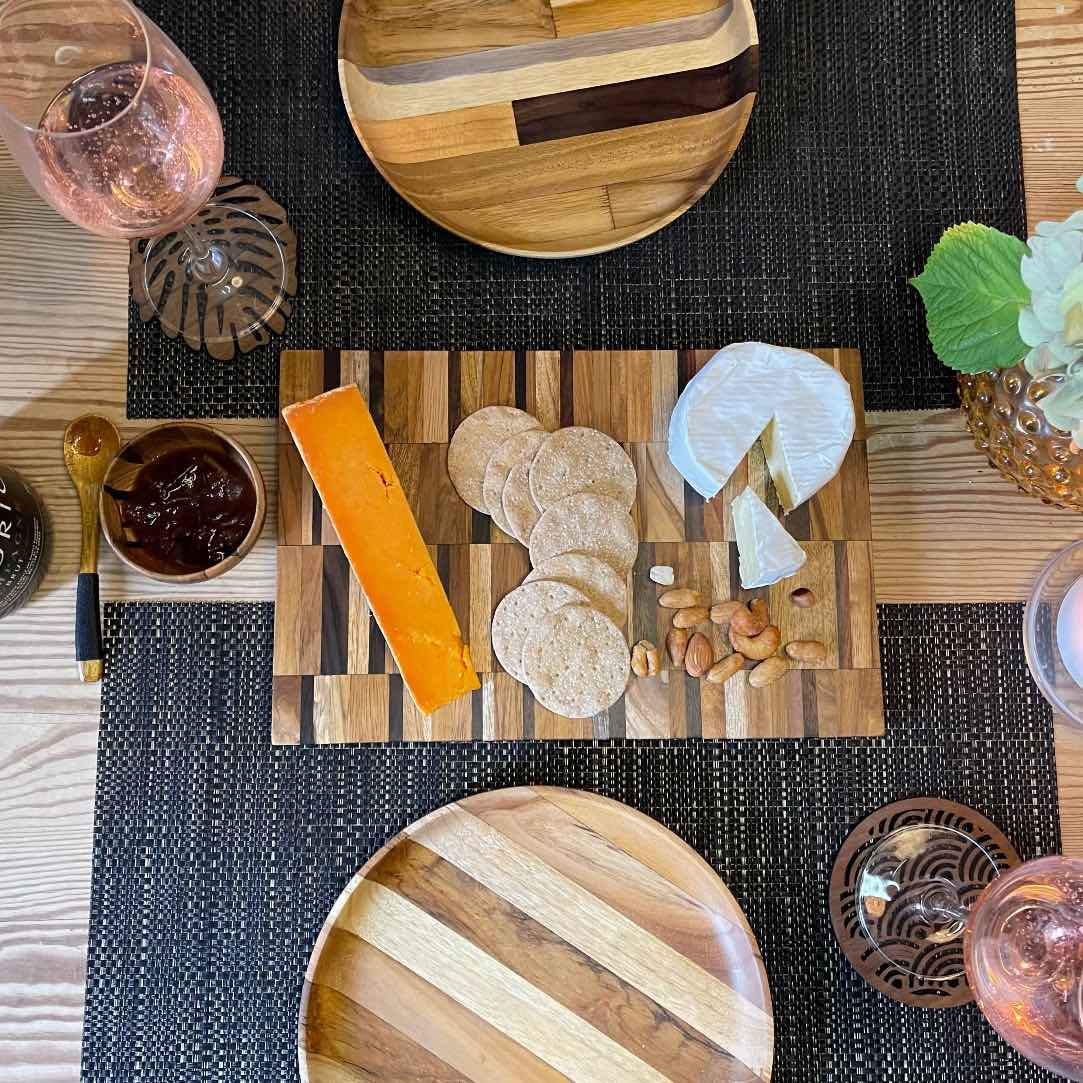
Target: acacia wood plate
<point>549,127</point>
<point>537,935</point>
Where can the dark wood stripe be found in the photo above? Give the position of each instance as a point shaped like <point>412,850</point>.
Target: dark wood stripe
<point>317,511</point>
<point>308,692</point>
<point>735,570</point>
<point>520,379</point>
<point>394,707</point>
<point>567,389</point>
<point>810,703</point>
<point>477,715</point>
<point>377,648</point>
<point>376,389</point>
<point>644,615</point>
<point>638,101</point>
<point>479,527</point>
<point>332,369</point>
<point>694,527</point>
<point>443,567</point>
<point>528,714</point>
<point>335,613</point>
<point>686,368</point>
<point>693,710</point>
<point>454,391</point>
<point>347,1033</point>
<point>799,521</point>
<point>842,605</point>
<point>618,721</point>
<point>553,966</point>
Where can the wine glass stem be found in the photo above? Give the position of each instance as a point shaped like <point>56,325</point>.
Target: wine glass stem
<point>208,262</point>
<point>944,904</point>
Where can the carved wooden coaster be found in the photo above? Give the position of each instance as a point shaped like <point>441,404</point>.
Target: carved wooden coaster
<point>873,965</point>
<point>241,311</point>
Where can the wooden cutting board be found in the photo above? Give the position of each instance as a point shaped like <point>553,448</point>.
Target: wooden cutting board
<point>536,935</point>
<point>335,681</point>
<point>549,127</point>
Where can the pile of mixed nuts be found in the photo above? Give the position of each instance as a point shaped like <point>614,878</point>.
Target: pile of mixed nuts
<point>751,634</point>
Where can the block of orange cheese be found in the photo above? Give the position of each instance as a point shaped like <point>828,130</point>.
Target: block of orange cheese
<point>350,468</point>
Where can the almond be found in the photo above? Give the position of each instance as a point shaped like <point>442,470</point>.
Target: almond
<point>677,644</point>
<point>639,659</point>
<point>722,612</point>
<point>654,661</point>
<point>691,616</point>
<point>753,620</point>
<point>807,650</point>
<point>803,598</point>
<point>757,647</point>
<point>722,671</point>
<point>681,598</point>
<point>699,657</point>
<point>767,672</point>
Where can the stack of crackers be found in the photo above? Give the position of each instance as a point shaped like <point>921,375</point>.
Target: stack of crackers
<point>566,496</point>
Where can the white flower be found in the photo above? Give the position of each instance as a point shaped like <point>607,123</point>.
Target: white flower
<point>1052,324</point>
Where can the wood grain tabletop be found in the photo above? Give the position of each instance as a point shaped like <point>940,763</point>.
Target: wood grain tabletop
<point>61,348</point>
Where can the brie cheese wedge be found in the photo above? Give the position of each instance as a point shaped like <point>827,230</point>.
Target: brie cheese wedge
<point>799,406</point>
<point>768,553</point>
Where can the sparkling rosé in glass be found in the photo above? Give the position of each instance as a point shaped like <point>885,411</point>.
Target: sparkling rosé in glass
<point>149,170</point>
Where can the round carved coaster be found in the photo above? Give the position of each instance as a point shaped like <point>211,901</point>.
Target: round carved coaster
<point>886,974</point>
<point>235,296</point>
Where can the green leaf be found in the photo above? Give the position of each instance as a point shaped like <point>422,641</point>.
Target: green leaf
<point>973,290</point>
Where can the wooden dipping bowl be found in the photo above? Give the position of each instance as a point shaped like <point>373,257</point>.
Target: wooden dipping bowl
<point>549,127</point>
<point>144,449</point>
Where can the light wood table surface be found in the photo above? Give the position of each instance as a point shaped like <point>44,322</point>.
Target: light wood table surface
<point>946,528</point>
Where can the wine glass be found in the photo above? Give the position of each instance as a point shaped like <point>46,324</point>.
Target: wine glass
<point>115,128</point>
<point>923,886</point>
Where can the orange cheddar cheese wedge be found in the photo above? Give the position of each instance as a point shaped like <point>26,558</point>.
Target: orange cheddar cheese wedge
<point>361,493</point>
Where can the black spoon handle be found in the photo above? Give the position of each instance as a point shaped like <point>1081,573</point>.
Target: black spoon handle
<point>88,627</point>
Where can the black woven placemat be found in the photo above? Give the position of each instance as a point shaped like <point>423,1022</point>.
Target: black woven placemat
<point>880,123</point>
<point>217,856</point>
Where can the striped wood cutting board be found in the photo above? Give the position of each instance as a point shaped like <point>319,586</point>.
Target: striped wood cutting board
<point>549,127</point>
<point>335,681</point>
<point>536,935</point>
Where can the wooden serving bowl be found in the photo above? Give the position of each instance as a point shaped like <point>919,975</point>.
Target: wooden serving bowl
<point>549,127</point>
<point>144,449</point>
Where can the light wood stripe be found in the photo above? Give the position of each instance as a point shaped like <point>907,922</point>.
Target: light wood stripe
<point>590,16</point>
<point>606,935</point>
<point>449,134</point>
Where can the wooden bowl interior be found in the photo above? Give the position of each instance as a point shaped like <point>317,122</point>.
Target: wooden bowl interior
<point>546,128</point>
<point>124,474</point>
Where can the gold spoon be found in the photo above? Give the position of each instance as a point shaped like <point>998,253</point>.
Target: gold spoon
<point>91,444</point>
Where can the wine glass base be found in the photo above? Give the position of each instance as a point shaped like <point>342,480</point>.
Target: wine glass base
<point>917,964</point>
<point>233,298</point>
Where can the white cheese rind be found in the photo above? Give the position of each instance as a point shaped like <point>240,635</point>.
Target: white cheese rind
<point>800,405</point>
<point>767,552</point>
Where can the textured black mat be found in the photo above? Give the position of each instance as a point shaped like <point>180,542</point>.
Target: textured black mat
<point>880,123</point>
<point>217,856</point>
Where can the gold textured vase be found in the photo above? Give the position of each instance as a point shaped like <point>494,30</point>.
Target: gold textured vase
<point>1014,434</point>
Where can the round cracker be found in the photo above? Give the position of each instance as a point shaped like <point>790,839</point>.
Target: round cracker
<point>519,507</point>
<point>473,445</point>
<point>518,614</point>
<point>521,446</point>
<point>576,661</point>
<point>586,523</point>
<point>607,591</point>
<point>581,460</point>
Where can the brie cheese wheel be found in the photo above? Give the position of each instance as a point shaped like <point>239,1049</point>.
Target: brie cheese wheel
<point>797,405</point>
<point>768,553</point>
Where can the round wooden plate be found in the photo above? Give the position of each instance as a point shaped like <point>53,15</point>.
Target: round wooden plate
<point>536,935</point>
<point>549,127</point>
